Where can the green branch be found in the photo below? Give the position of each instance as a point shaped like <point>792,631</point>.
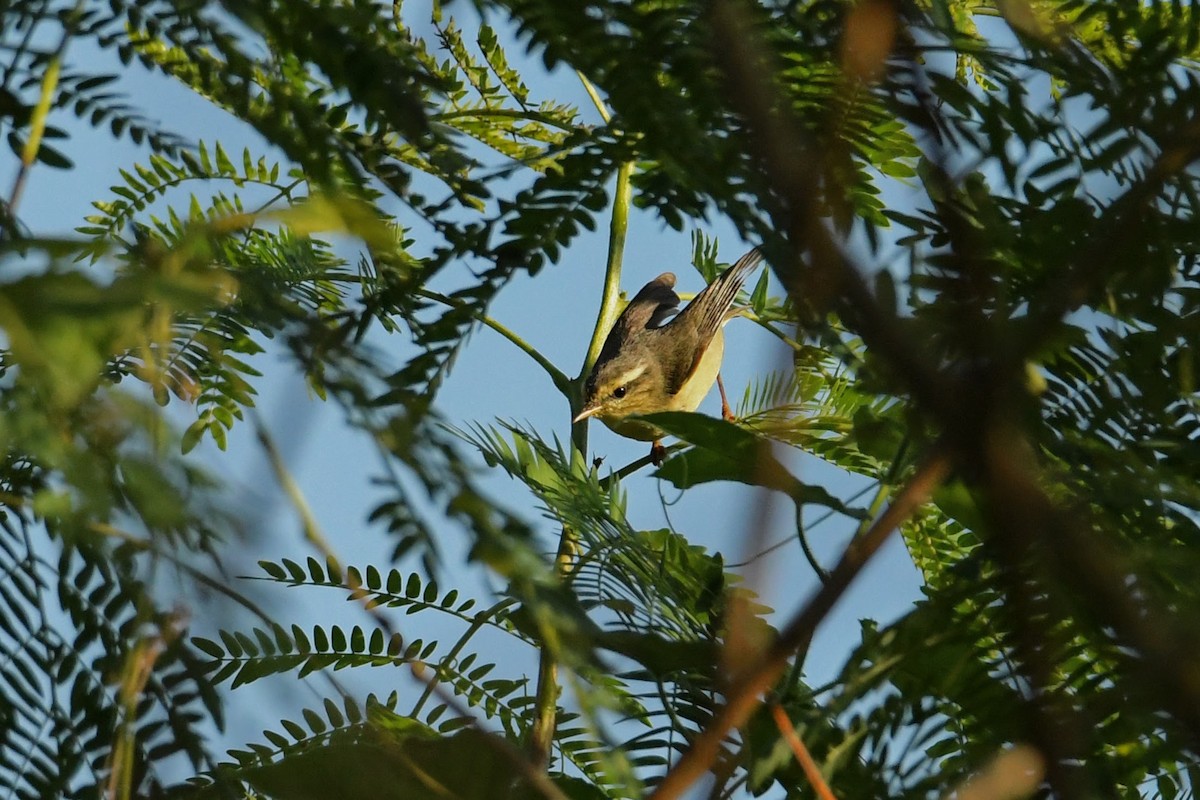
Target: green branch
<point>508,113</point>
<point>546,701</point>
<point>597,100</point>
<point>37,127</point>
<point>557,376</point>
<point>476,625</point>
<point>617,229</point>
<point>610,293</point>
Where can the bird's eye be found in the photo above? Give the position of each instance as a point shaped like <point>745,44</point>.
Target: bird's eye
<point>619,392</point>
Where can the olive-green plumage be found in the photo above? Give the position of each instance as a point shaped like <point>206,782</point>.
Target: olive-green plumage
<point>647,366</point>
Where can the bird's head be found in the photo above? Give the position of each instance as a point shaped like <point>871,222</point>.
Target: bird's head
<point>621,386</point>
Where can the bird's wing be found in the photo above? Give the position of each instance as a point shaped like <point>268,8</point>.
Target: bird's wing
<point>649,308</point>
<point>693,329</point>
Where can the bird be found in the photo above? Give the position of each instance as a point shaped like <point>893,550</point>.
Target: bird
<point>656,360</point>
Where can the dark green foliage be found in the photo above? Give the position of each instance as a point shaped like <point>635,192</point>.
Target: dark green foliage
<point>63,707</point>
<point>1029,307</point>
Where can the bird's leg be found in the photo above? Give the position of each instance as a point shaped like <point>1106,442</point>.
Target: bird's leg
<point>657,453</point>
<point>726,411</point>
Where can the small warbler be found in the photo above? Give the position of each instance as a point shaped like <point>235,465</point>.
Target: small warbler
<point>650,364</point>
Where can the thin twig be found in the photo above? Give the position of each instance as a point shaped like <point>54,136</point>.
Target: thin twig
<point>806,548</point>
<point>786,540</point>
<point>312,529</point>
<point>743,696</point>
<point>811,771</point>
<point>557,376</point>
<point>636,464</point>
<point>476,625</point>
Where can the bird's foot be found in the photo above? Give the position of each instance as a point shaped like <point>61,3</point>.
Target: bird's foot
<point>726,411</point>
<point>658,453</point>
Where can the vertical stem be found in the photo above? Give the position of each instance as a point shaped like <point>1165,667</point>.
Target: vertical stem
<point>546,700</point>
<point>541,738</point>
<point>617,228</point>
<point>607,314</point>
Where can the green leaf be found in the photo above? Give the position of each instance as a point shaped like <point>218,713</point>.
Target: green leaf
<point>661,656</point>
<point>208,647</point>
<point>758,298</point>
<point>724,452</point>
<point>52,157</point>
<point>397,762</point>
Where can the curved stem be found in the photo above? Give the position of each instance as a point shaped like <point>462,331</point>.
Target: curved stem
<point>806,547</point>
<point>37,124</point>
<point>882,492</point>
<point>476,624</point>
<point>557,376</point>
<point>607,315</point>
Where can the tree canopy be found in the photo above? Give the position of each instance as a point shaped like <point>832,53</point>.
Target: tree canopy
<point>980,223</point>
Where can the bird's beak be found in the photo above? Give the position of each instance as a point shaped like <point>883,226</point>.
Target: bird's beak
<point>587,412</point>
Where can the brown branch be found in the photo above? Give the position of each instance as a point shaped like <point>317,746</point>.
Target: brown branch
<point>811,771</point>
<point>743,696</point>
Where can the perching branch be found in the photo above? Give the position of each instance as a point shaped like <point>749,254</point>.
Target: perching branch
<point>546,699</point>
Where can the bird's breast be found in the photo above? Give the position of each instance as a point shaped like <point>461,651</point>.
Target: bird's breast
<point>701,381</point>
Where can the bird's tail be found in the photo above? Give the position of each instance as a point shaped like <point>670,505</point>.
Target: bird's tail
<point>713,304</point>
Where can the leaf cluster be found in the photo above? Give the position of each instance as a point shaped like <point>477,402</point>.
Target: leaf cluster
<point>1032,308</point>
